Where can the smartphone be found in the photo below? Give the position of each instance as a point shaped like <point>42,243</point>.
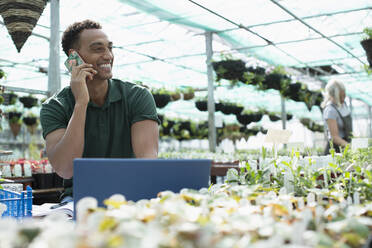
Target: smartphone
<point>74,56</point>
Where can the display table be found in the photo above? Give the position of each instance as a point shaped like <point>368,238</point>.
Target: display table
<point>26,181</point>
<point>50,195</point>
<point>220,169</point>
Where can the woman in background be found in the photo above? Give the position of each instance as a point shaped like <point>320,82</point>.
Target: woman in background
<point>337,116</point>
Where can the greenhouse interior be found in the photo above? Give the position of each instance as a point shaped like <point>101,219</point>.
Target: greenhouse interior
<point>187,123</point>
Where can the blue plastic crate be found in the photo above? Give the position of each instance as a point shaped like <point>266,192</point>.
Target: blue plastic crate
<point>19,205</point>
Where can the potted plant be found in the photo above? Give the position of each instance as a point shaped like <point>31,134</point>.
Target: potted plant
<point>248,116</point>
<point>176,95</point>
<point>31,121</point>
<point>277,79</point>
<point>218,106</point>
<point>255,75</point>
<point>2,74</point>
<point>202,104</point>
<point>367,44</point>
<point>28,101</point>
<point>274,116</point>
<point>10,98</point>
<point>161,96</point>
<point>230,69</point>
<point>188,93</point>
<point>293,91</point>
<point>310,98</point>
<point>14,121</point>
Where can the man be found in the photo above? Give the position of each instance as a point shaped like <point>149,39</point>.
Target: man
<point>96,116</point>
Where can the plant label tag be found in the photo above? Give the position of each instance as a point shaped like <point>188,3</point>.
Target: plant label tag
<point>277,136</point>
<point>359,143</point>
<point>218,121</point>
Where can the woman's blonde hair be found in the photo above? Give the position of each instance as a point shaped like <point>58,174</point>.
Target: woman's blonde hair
<point>332,91</point>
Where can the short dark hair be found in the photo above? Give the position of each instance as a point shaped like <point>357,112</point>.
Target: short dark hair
<point>72,34</point>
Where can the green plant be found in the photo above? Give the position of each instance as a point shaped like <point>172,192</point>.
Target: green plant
<point>368,70</point>
<point>2,74</point>
<point>368,33</point>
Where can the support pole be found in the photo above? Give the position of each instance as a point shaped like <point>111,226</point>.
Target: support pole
<point>211,107</point>
<point>351,111</point>
<point>369,131</point>
<point>54,77</point>
<point>284,113</point>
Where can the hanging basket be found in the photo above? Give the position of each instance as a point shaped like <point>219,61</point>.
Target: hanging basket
<point>29,121</point>
<point>176,96</point>
<point>15,128</point>
<point>28,101</point>
<point>230,69</point>
<point>244,119</point>
<point>9,98</point>
<point>161,100</point>
<point>202,105</point>
<point>32,128</point>
<point>188,96</point>
<point>367,46</point>
<point>274,118</point>
<point>20,18</point>
<point>13,115</point>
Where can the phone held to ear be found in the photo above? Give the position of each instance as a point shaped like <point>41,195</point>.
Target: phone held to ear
<point>73,60</point>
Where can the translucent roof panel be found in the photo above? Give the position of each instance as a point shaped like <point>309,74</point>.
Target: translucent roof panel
<point>162,44</point>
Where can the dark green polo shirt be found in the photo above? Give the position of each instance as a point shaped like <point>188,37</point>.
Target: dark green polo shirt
<point>107,128</point>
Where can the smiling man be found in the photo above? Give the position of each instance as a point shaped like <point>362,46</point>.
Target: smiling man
<point>96,116</point>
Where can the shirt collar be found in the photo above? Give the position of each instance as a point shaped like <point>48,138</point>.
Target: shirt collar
<point>112,96</point>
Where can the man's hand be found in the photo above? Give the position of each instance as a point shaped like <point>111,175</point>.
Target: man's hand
<point>79,76</point>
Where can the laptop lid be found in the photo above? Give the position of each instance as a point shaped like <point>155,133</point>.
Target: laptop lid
<point>137,179</point>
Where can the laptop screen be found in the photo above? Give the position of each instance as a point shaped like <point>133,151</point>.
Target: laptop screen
<point>137,179</point>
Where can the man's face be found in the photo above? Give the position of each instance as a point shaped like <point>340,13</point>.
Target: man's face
<point>96,49</point>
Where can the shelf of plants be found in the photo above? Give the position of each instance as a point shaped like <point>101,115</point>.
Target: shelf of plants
<point>283,201</point>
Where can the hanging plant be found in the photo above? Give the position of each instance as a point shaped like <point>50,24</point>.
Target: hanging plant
<point>14,121</point>
<point>310,98</point>
<point>161,96</point>
<point>311,125</point>
<point>277,79</point>
<point>2,74</point>
<point>10,98</point>
<point>31,121</point>
<point>244,119</point>
<point>230,108</point>
<point>202,104</point>
<point>28,101</point>
<point>367,44</point>
<point>293,91</point>
<point>255,75</point>
<point>175,96</point>
<point>218,106</point>
<point>188,93</point>
<point>274,116</point>
<point>20,18</point>
<point>230,69</point>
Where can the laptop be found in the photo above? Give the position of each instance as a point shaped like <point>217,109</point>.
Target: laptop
<point>137,179</point>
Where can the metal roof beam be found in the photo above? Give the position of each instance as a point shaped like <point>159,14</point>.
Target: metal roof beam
<point>315,30</point>
<point>290,20</point>
<point>258,35</point>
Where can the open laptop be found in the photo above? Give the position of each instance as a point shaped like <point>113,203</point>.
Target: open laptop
<point>137,179</point>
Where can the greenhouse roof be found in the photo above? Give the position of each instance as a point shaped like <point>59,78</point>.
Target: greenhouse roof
<point>162,44</point>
